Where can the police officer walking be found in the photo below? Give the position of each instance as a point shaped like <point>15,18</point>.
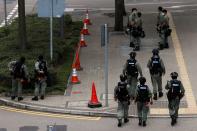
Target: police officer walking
<point>156,69</point>
<point>40,78</point>
<point>175,93</point>
<point>137,30</point>
<point>159,18</point>
<point>121,95</point>
<point>132,18</point>
<point>20,77</point>
<point>132,69</point>
<point>164,29</point>
<point>143,99</point>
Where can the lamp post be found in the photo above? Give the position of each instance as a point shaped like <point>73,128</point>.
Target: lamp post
<point>5,11</point>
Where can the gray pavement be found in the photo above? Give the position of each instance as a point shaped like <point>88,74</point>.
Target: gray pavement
<point>31,122</point>
<point>92,57</point>
<point>92,61</point>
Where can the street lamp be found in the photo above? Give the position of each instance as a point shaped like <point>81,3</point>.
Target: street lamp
<point>5,11</point>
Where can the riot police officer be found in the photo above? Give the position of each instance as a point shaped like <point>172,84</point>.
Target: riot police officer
<point>132,69</point>
<point>137,30</point>
<point>40,78</point>
<point>20,77</point>
<point>121,95</point>
<point>143,99</point>
<point>164,27</point>
<point>175,92</point>
<point>156,69</point>
<point>131,23</point>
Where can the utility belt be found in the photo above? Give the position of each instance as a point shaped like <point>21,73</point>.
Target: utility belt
<point>40,76</point>
<point>172,96</point>
<point>143,100</point>
<point>159,72</point>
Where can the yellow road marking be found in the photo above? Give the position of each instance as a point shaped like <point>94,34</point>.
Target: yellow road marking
<point>190,98</point>
<point>49,114</point>
<point>182,66</point>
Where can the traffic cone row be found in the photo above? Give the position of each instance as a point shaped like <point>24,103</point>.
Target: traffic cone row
<point>82,41</point>
<point>87,20</point>
<point>94,100</point>
<point>85,31</point>
<point>77,62</point>
<point>93,103</point>
<point>74,79</point>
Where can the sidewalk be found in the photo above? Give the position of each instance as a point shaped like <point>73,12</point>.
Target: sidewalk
<point>92,60</point>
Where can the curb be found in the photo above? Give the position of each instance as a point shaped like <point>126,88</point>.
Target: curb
<point>32,107</point>
<point>27,106</point>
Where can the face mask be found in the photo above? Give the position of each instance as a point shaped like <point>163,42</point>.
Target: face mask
<point>162,14</point>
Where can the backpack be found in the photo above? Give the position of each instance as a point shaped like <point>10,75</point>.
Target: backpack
<point>122,92</point>
<point>42,67</point>
<point>143,94</point>
<point>18,70</point>
<point>155,65</point>
<point>131,68</point>
<point>175,89</point>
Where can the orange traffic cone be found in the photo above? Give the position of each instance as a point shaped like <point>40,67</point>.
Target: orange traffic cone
<point>94,100</point>
<point>87,20</point>
<point>74,79</point>
<point>77,62</point>
<point>85,31</point>
<point>82,41</point>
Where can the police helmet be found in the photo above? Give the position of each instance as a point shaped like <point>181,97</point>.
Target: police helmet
<point>160,8</point>
<point>122,78</point>
<point>134,9</point>
<point>174,75</point>
<point>165,11</point>
<point>22,59</point>
<point>40,57</point>
<point>142,80</point>
<point>132,54</point>
<point>139,14</point>
<point>155,51</point>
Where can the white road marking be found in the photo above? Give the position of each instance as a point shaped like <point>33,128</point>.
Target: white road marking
<point>153,3</point>
<point>181,6</point>
<point>10,15</point>
<point>192,107</point>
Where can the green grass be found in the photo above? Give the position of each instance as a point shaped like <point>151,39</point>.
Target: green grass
<point>38,43</point>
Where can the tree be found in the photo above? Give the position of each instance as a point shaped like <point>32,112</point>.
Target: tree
<point>22,24</point>
<point>119,12</point>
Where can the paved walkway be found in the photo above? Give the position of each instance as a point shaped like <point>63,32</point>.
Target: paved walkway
<point>92,61</point>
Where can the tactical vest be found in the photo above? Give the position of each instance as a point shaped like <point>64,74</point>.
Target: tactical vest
<point>155,65</point>
<point>18,70</point>
<point>143,94</point>
<point>131,68</point>
<point>122,92</point>
<point>175,88</point>
<point>42,67</point>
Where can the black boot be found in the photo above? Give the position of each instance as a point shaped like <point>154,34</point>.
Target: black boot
<point>137,48</point>
<point>144,123</point>
<point>155,96</point>
<point>119,123</point>
<point>131,44</point>
<point>160,94</point>
<point>173,122</point>
<point>126,120</point>
<point>35,98</point>
<point>160,47</point>
<point>20,98</point>
<point>166,46</point>
<point>42,97</point>
<point>140,122</point>
<point>13,97</point>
